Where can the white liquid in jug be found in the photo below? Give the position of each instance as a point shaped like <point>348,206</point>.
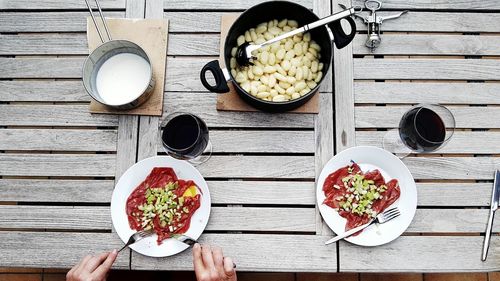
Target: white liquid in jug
<point>122,78</point>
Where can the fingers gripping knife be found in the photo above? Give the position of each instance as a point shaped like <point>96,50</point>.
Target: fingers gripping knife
<point>374,22</point>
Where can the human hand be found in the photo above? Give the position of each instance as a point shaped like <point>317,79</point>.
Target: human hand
<point>93,268</point>
<point>211,265</point>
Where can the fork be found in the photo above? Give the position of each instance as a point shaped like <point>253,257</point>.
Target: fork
<point>139,235</point>
<point>381,218</point>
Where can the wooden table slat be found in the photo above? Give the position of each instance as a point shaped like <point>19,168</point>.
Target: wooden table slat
<point>262,192</point>
<point>460,143</point>
<point>43,91</point>
<point>44,190</point>
<point>422,253</point>
<point>256,252</point>
<point>75,165</point>
<point>438,5</point>
<point>53,115</point>
<point>203,105</point>
<point>57,250</point>
<point>438,22</point>
<point>428,44</point>
<point>66,21</point>
<point>58,140</point>
<point>427,92</point>
<point>252,141</point>
<point>389,117</point>
<point>433,69</point>
<point>57,5</point>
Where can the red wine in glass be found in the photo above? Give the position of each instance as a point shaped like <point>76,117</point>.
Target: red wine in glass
<point>422,129</point>
<point>185,136</point>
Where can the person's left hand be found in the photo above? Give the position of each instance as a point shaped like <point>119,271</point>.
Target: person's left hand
<point>92,268</point>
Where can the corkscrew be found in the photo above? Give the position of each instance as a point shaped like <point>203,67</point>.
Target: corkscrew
<point>374,22</point>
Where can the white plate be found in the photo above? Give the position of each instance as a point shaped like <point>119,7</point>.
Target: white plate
<point>391,167</point>
<point>131,179</point>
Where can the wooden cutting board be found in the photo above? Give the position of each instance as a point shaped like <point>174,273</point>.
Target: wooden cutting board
<point>151,35</point>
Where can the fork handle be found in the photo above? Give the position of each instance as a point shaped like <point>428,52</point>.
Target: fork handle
<point>348,233</point>
<point>126,245</point>
<point>487,237</point>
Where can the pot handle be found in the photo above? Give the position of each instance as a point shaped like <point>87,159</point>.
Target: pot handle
<point>340,38</point>
<point>220,81</point>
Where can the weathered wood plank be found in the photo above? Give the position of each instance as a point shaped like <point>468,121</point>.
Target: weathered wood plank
<point>76,165</point>
<point>203,105</point>
<point>57,5</point>
<point>412,22</point>
<point>82,191</point>
<point>148,137</point>
<point>41,67</point>
<point>55,217</point>
<point>415,44</point>
<point>461,142</point>
<point>183,73</point>
<point>62,44</point>
<point>194,21</point>
<point>219,4</point>
<point>389,116</point>
<point>450,221</point>
<point>256,252</point>
<point>193,44</point>
<point>480,168</point>
<point>57,249</point>
<point>438,4</point>
<point>126,146</point>
<point>233,141</point>
<point>97,218</point>
<point>148,125</point>
<point>324,138</point>
<point>262,219</point>
<point>439,22</point>
<point>434,254</point>
<point>454,194</point>
<point>343,74</point>
<point>48,21</point>
<point>58,140</point>
<point>44,91</point>
<point>52,115</point>
<point>258,167</point>
<point>262,192</point>
<point>433,69</point>
<point>446,93</point>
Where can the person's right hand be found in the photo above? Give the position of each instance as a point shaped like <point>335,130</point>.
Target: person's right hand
<point>92,268</point>
<point>211,265</point>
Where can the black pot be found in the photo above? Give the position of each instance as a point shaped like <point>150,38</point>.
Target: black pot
<point>265,12</point>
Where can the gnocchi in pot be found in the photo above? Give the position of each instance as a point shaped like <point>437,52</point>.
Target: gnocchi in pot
<point>282,71</point>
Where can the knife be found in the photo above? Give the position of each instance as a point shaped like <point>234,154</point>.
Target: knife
<point>185,239</point>
<point>495,197</point>
<point>348,233</point>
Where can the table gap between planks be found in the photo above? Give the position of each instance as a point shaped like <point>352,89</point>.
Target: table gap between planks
<point>58,163</point>
<point>440,52</point>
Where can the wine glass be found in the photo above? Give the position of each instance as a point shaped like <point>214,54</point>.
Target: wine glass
<point>185,136</point>
<point>424,128</point>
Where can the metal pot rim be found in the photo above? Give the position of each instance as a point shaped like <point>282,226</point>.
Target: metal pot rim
<point>87,59</point>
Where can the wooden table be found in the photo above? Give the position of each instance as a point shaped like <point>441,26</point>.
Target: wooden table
<point>59,163</point>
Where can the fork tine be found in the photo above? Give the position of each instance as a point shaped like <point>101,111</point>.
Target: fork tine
<point>390,211</point>
<point>392,215</point>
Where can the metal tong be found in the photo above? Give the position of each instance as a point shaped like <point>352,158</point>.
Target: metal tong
<point>102,19</point>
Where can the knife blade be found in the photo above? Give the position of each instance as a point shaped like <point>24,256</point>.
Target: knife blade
<point>186,240</point>
<point>348,233</point>
<point>495,198</point>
